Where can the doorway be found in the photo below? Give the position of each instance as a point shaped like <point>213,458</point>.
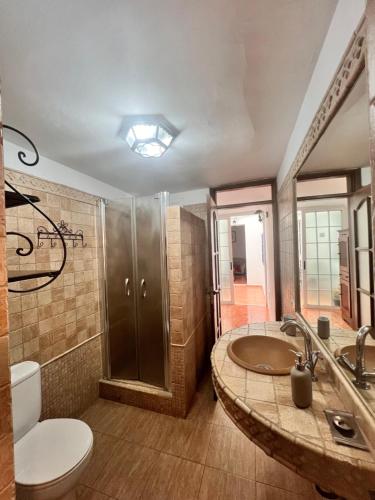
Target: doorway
<point>245,266</point>
<point>244,256</point>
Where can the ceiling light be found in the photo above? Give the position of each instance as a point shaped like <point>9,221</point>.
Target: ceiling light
<point>148,136</point>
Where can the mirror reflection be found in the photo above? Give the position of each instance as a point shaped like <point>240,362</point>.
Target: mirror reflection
<point>335,254</point>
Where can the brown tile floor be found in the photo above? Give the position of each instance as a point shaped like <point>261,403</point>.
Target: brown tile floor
<point>140,454</point>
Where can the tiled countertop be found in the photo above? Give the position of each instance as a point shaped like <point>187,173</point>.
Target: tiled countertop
<point>262,407</point>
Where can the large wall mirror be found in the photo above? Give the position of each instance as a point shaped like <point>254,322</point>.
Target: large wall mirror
<point>335,254</point>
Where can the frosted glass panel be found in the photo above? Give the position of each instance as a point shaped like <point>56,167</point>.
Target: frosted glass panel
<point>312,297</point>
<point>323,250</point>
<point>362,226</point>
<point>324,282</point>
<point>224,253</point>
<point>365,309</point>
<point>364,271</point>
<point>322,219</point>
<point>335,266</point>
<point>334,235</point>
<point>310,219</point>
<point>324,266</point>
<point>311,251</point>
<point>225,262</point>
<point>311,266</point>
<point>335,282</point>
<point>310,235</point>
<point>323,234</point>
<point>335,218</point>
<point>321,257</point>
<point>312,282</point>
<point>325,298</point>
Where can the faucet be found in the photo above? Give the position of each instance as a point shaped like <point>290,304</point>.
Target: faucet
<point>359,369</point>
<point>311,356</point>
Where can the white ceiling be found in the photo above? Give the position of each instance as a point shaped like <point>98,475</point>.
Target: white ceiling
<point>345,143</point>
<point>230,74</point>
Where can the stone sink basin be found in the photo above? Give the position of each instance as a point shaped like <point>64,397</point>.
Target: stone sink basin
<point>349,350</point>
<point>262,354</point>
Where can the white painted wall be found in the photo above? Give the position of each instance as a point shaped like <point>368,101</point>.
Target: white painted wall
<point>53,171</point>
<point>253,237</point>
<point>189,197</point>
<point>344,22</point>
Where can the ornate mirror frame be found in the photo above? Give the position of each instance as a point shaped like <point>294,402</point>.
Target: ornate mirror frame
<point>359,56</point>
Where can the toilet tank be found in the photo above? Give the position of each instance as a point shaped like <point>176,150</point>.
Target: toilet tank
<point>26,397</point>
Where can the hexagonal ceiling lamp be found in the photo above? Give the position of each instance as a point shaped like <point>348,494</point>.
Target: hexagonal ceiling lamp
<point>148,136</point>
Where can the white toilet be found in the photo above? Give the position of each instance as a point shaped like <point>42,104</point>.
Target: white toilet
<point>50,456</point>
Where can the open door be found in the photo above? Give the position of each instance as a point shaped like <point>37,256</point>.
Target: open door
<point>215,275</point>
<point>225,260</point>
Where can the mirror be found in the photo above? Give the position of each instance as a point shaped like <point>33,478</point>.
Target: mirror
<point>335,254</point>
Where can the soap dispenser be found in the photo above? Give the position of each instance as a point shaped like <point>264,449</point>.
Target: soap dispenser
<point>301,382</point>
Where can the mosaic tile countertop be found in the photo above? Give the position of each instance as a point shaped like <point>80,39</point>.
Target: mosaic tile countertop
<point>262,407</point>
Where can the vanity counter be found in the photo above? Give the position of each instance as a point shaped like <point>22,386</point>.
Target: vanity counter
<point>262,407</point>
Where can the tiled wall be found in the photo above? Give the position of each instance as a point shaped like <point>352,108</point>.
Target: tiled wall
<point>285,198</point>
<point>201,211</point>
<point>7,489</point>
<point>51,322</point>
<point>186,266</point>
<point>188,320</point>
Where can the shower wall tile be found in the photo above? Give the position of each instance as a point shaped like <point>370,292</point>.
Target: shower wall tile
<point>52,326</point>
<point>51,321</point>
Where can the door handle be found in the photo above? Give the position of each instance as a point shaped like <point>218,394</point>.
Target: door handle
<point>127,287</point>
<point>143,288</point>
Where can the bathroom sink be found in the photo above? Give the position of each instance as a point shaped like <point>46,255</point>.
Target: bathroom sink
<point>349,350</point>
<point>263,354</point>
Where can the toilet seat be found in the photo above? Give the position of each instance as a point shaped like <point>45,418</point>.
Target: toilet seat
<point>51,450</point>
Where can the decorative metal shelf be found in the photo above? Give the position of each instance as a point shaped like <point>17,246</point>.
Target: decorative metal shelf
<point>14,276</point>
<point>66,232</point>
<point>13,199</point>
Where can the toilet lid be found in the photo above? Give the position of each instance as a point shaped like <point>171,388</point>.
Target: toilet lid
<point>50,450</point>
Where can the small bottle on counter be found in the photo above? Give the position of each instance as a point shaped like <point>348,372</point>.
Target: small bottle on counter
<point>323,327</point>
<point>301,383</point>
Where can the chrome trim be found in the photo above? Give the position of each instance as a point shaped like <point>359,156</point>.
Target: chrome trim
<point>164,203</point>
<point>103,287</point>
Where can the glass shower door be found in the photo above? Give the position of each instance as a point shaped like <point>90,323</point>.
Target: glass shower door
<point>120,290</point>
<point>137,290</point>
<point>321,257</point>
<point>151,288</point>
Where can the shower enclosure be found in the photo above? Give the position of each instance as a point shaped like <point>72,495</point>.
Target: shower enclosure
<point>137,309</point>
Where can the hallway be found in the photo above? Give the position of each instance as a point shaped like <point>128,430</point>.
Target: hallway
<point>249,307</point>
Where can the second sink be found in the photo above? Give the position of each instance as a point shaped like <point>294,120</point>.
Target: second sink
<point>349,350</point>
<point>262,354</point>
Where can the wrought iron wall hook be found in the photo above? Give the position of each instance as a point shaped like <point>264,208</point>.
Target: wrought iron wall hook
<point>20,251</point>
<point>67,233</point>
<point>21,154</point>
